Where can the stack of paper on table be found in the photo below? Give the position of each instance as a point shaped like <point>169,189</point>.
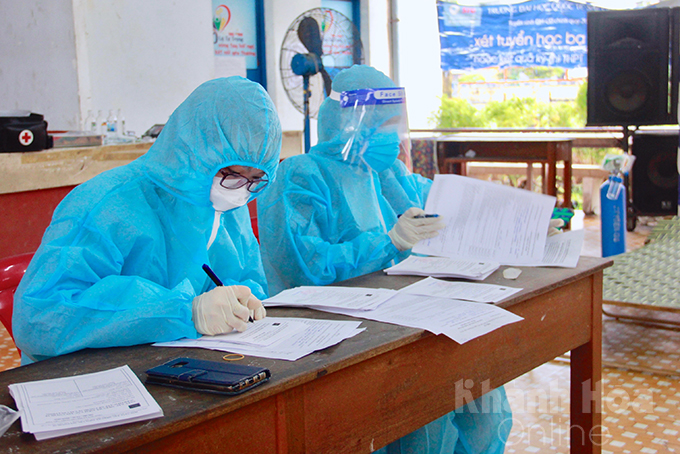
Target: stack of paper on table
<point>69,405</point>
<point>329,296</point>
<point>490,222</point>
<point>443,267</point>
<point>286,338</point>
<point>467,291</point>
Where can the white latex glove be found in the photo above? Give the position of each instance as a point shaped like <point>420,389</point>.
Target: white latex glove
<point>409,230</point>
<point>553,227</point>
<point>224,309</point>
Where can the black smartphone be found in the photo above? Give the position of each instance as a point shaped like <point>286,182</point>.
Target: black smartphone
<point>210,376</point>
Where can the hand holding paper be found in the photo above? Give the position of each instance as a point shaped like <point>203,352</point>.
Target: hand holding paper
<point>414,225</point>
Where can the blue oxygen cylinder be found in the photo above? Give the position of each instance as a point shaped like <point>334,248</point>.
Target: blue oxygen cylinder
<point>613,216</point>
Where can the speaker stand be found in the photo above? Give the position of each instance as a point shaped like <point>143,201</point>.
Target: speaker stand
<point>631,212</point>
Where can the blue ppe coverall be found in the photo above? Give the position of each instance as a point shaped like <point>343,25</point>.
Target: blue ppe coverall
<point>326,219</point>
<point>120,263</point>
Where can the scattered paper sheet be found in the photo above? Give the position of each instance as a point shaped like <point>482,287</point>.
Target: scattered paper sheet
<point>443,267</point>
<point>68,405</point>
<point>263,333</point>
<point>563,249</point>
<point>467,291</point>
<point>487,221</point>
<point>460,320</point>
<point>317,335</point>
<point>330,296</point>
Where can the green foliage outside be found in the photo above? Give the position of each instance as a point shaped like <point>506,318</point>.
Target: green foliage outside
<point>457,111</point>
<point>536,72</point>
<point>522,113</point>
<point>512,113</point>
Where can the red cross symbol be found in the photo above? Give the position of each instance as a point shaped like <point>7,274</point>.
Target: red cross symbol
<point>26,137</point>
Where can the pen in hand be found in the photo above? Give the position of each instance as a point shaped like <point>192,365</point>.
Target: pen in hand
<point>217,281</point>
<point>422,216</point>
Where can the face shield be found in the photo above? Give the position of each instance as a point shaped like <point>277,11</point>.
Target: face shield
<point>376,127</point>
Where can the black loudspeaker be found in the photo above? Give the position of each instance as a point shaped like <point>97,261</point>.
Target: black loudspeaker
<point>632,62</point>
<point>654,176</point>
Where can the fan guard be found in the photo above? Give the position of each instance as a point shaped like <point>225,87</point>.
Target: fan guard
<point>341,48</point>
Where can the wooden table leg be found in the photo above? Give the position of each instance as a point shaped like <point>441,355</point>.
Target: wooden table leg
<point>586,383</point>
<point>530,176</point>
<point>544,178</point>
<point>551,183</point>
<point>567,184</point>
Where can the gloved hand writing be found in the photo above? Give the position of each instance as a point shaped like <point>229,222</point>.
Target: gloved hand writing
<point>554,226</point>
<point>410,229</point>
<point>223,309</point>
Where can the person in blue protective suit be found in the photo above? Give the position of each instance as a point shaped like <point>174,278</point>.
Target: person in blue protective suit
<point>350,207</point>
<point>121,262</point>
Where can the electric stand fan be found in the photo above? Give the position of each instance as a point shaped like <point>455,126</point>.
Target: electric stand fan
<point>319,43</point>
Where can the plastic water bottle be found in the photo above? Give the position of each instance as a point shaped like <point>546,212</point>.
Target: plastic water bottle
<point>121,124</point>
<point>93,124</point>
<point>613,215</point>
<point>101,123</point>
<point>89,121</point>
<point>111,124</point>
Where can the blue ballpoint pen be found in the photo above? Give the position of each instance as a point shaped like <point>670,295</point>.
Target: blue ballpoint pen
<point>217,281</point>
<point>422,216</point>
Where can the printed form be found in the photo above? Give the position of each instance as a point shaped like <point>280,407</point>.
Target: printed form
<point>68,405</point>
<point>443,267</point>
<point>490,222</point>
<point>467,291</point>
<point>297,337</point>
<point>329,296</point>
<point>459,320</point>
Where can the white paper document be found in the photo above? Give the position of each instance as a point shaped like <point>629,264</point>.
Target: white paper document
<point>415,265</point>
<point>263,333</point>
<point>467,291</point>
<point>459,320</point>
<point>563,249</point>
<point>330,296</point>
<point>487,221</point>
<point>316,335</point>
<point>68,405</point>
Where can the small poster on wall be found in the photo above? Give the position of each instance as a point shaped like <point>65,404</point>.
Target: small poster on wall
<point>234,37</point>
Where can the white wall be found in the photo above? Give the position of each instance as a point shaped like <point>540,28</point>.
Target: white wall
<point>143,57</point>
<point>419,60</point>
<point>279,15</point>
<point>63,57</point>
<point>375,34</point>
<point>38,60</point>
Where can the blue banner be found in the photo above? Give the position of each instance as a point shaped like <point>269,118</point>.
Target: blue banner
<point>533,33</point>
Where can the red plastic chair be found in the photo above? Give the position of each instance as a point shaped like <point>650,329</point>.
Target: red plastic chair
<point>12,269</point>
<point>252,208</point>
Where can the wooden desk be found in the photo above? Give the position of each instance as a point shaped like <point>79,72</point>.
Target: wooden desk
<point>33,184</point>
<point>362,393</point>
<point>455,150</point>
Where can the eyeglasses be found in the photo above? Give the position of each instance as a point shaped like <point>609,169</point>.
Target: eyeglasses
<point>233,180</point>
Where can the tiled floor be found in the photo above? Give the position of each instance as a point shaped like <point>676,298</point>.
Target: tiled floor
<point>9,356</point>
<point>641,387</point>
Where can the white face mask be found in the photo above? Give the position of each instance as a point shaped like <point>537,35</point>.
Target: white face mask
<point>224,199</point>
